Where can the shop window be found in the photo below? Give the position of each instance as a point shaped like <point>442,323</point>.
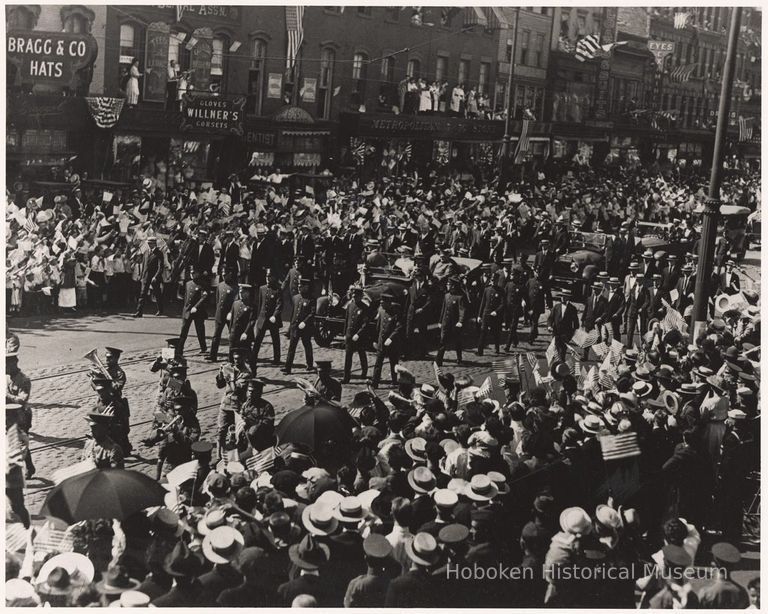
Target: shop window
<point>538,52</point>
<point>219,45</point>
<point>388,69</point>
<point>127,43</point>
<point>565,23</point>
<point>597,25</point>
<point>325,89</point>
<point>441,67</point>
<point>76,19</point>
<point>581,25</point>
<point>525,40</point>
<point>508,53</point>
<point>21,17</point>
<point>463,71</point>
<point>177,50</point>
<point>256,75</point>
<point>359,74</point>
<point>414,68</point>
<point>482,83</point>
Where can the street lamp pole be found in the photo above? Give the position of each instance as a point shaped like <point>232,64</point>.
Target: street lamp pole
<point>503,159</point>
<point>711,211</point>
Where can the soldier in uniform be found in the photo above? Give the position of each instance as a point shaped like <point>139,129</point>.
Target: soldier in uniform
<point>354,332</point>
<point>111,402</point>
<point>241,320</point>
<point>452,319</point>
<point>419,301</point>
<point>327,385</point>
<point>161,363</point>
<point>514,296</point>
<point>177,385</point>
<point>234,378</point>
<point>176,436</point>
<point>269,306</point>
<point>301,327</point>
<point>195,295</point>
<point>544,264</point>
<point>99,446</point>
<point>111,359</point>
<point>226,292</point>
<point>389,335</point>
<point>490,314</point>
<point>255,410</point>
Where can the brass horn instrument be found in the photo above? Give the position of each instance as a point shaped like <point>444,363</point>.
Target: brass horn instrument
<point>93,357</point>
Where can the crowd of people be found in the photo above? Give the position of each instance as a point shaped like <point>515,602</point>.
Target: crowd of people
<point>611,470</point>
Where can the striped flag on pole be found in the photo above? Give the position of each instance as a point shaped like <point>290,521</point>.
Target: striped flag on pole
<point>745,130</point>
<point>261,461</point>
<point>551,353</point>
<point>616,447</point>
<point>523,142</point>
<point>486,389</point>
<point>587,48</point>
<point>672,319</point>
<point>681,20</point>
<point>294,26</point>
<point>683,73</point>
<point>30,225</point>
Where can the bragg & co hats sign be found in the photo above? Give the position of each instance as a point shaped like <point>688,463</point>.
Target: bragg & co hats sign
<point>52,57</point>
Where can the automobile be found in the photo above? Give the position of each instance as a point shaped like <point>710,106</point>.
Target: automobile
<point>395,278</point>
<point>584,259</point>
<point>659,237</point>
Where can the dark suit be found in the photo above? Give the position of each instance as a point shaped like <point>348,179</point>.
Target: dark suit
<point>685,285</point>
<point>594,308</point>
<point>544,264</point>
<point>357,317</point>
<point>729,282</point>
<point>303,313</point>
<point>514,295</point>
<point>241,322</point>
<point>454,310</point>
<point>491,303</point>
<point>261,259</point>
<point>269,304</point>
<point>390,327</point>
<point>614,312</point>
<point>564,320</point>
<point>534,297</point>
<point>225,298</point>
<point>689,473</point>
<point>229,259</point>
<point>655,308</point>
<point>414,589</point>
<point>180,596</point>
<point>419,301</point>
<point>304,585</point>
<point>637,303</point>
<point>347,562</point>
<point>152,279</point>
<point>195,296</point>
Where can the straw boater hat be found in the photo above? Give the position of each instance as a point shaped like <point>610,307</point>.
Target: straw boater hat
<point>319,519</point>
<point>350,510</point>
<point>576,521</point>
<point>422,480</point>
<point>223,545</point>
<point>79,568</point>
<point>423,550</point>
<point>116,581</point>
<point>481,488</point>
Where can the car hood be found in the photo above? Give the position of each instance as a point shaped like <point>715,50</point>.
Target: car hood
<point>581,257</point>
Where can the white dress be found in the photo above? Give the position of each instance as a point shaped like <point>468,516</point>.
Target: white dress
<point>132,90</point>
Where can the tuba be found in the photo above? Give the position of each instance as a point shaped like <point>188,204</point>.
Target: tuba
<point>93,357</point>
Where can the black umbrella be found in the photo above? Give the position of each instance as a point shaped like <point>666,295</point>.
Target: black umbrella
<point>312,425</point>
<point>102,493</point>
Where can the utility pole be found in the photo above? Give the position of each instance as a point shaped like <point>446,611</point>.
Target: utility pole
<point>503,158</point>
<point>711,212</point>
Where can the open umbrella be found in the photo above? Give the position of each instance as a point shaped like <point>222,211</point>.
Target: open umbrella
<point>102,493</point>
<point>314,424</point>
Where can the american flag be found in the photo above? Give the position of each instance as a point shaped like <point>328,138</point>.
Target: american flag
<point>617,447</point>
<point>587,48</point>
<point>506,366</point>
<point>15,537</point>
<point>14,447</point>
<point>672,318</point>
<point>683,73</point>
<point>486,389</point>
<point>681,20</point>
<point>30,225</point>
<point>49,539</point>
<point>583,339</point>
<point>745,129</point>
<point>551,353</point>
<point>183,473</point>
<point>294,18</point>
<point>523,143</point>
<point>592,380</point>
<point>608,371</point>
<point>265,460</point>
<point>105,110</point>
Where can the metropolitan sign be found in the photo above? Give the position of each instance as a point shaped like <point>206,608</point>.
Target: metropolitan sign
<point>49,56</point>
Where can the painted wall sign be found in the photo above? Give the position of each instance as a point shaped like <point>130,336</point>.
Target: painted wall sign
<point>660,50</point>
<point>155,79</point>
<point>213,114</point>
<point>50,57</point>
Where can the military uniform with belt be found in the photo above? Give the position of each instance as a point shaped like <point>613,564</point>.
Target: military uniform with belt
<point>195,295</point>
<point>390,329</point>
<point>268,307</point>
<point>241,320</point>
<point>110,402</point>
<point>301,327</point>
<point>234,377</point>
<point>452,320</point>
<point>177,436</point>
<point>255,410</point>
<point>354,333</point>
<point>490,314</point>
<point>226,293</point>
<point>100,448</point>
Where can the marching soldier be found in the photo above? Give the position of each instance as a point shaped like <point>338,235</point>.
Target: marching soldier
<point>234,377</point>
<point>269,306</point>
<point>327,385</point>
<point>111,402</point>
<point>452,320</point>
<point>111,359</point>
<point>544,264</point>
<point>176,386</point>
<point>241,320</point>
<point>354,333</point>
<point>100,448</point>
<point>195,295</point>
<point>419,302</point>
<point>490,314</point>
<point>255,410</point>
<point>389,336</point>
<point>162,364</point>
<point>514,290</point>
<point>301,327</point>
<point>226,293</point>
<point>177,436</point>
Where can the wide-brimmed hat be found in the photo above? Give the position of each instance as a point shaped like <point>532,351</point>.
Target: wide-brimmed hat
<point>319,519</point>
<point>416,448</point>
<point>309,553</point>
<point>576,521</point>
<point>350,510</point>
<point>212,520</point>
<point>422,480</point>
<point>116,581</point>
<point>223,545</point>
<point>423,550</point>
<point>608,517</point>
<point>591,424</point>
<point>133,599</point>
<point>642,389</point>
<point>79,568</point>
<point>20,594</point>
<point>481,488</point>
<point>500,480</point>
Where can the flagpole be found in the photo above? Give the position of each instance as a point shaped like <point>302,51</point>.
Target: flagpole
<point>711,211</point>
<point>503,162</point>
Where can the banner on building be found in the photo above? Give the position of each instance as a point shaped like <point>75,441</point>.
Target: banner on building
<point>48,57</point>
<point>608,37</point>
<point>660,50</point>
<point>309,90</point>
<point>156,62</point>
<point>275,85</point>
<point>216,114</point>
<point>200,58</point>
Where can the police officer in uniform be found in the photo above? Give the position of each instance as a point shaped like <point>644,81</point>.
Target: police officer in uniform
<point>177,436</point>
<point>327,385</point>
<point>255,410</point>
<point>390,328</point>
<point>269,306</point>
<point>544,264</point>
<point>301,327</point>
<point>242,318</point>
<point>226,293</point>
<point>419,300</point>
<point>490,314</point>
<point>452,319</point>
<point>195,294</point>
<point>514,295</point>
<point>354,333</point>
<point>234,378</point>
<point>99,446</point>
<point>111,402</point>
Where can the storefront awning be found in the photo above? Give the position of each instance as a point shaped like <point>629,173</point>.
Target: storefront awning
<point>306,132</point>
